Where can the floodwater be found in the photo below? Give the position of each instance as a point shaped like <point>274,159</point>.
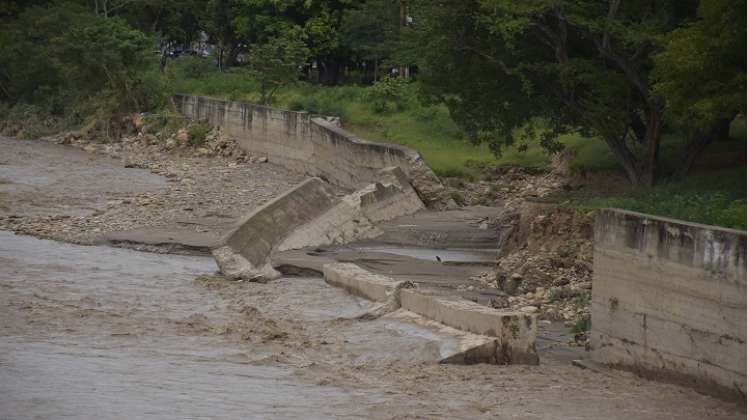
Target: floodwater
<point>94,332</point>
<point>107,333</point>
<point>39,178</point>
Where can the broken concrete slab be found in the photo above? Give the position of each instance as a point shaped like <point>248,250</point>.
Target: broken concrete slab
<point>355,217</point>
<point>245,252</point>
<point>360,282</point>
<point>513,333</point>
<point>468,348</point>
<point>313,214</point>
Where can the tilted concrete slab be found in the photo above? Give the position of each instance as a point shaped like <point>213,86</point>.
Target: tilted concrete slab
<point>356,215</point>
<point>511,335</point>
<point>246,251</point>
<point>313,214</point>
<point>515,331</point>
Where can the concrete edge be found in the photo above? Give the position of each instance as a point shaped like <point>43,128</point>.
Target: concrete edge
<point>359,282</point>
<point>513,333</point>
<point>467,348</point>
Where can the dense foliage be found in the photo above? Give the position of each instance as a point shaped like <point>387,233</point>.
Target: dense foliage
<point>65,60</point>
<point>509,71</point>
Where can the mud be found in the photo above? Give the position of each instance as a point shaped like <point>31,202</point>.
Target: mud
<point>36,178</point>
<point>99,332</point>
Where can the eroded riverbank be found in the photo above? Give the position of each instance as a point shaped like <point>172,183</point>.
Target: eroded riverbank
<point>98,332</point>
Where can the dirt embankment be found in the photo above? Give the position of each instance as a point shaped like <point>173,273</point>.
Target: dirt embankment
<point>545,250</point>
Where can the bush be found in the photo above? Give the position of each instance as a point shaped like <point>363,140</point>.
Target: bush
<point>76,65</point>
<point>198,133</point>
<point>388,94</point>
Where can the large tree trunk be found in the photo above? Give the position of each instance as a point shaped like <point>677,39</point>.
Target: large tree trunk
<point>641,169</point>
<point>232,57</point>
<point>652,142</point>
<point>699,142</point>
<point>724,128</point>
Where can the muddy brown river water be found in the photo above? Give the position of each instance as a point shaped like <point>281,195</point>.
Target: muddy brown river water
<point>107,333</point>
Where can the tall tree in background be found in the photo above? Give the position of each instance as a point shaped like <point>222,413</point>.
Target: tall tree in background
<point>702,74</point>
<point>278,62</point>
<point>571,65</point>
<point>371,31</point>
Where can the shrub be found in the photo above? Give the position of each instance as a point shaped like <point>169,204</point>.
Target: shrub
<point>388,94</point>
<point>198,133</point>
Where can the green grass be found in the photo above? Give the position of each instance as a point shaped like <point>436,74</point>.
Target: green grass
<point>714,198</point>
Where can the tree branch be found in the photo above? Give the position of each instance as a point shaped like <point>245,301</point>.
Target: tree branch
<point>500,63</point>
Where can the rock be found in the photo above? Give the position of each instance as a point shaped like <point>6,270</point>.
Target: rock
<point>529,309</point>
<point>150,139</point>
<point>262,160</point>
<point>182,136</point>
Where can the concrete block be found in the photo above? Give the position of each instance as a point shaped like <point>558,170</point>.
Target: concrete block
<point>246,251</point>
<point>360,282</point>
<point>504,337</point>
<point>515,331</point>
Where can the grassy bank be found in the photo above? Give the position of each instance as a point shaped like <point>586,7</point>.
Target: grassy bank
<point>405,120</point>
<point>711,197</point>
<point>714,196</point>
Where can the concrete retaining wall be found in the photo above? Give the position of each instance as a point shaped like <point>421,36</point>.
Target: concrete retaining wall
<point>513,333</point>
<point>245,252</point>
<point>312,214</point>
<point>670,300</point>
<point>311,145</point>
<point>355,217</point>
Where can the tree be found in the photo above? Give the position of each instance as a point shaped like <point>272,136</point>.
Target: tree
<point>702,74</point>
<point>64,58</point>
<point>371,31</point>
<point>278,62</point>
<point>567,65</point>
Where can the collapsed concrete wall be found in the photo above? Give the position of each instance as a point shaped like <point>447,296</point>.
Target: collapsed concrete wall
<point>245,252</point>
<point>356,215</point>
<point>313,214</point>
<point>670,300</point>
<point>511,334</point>
<point>312,145</point>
